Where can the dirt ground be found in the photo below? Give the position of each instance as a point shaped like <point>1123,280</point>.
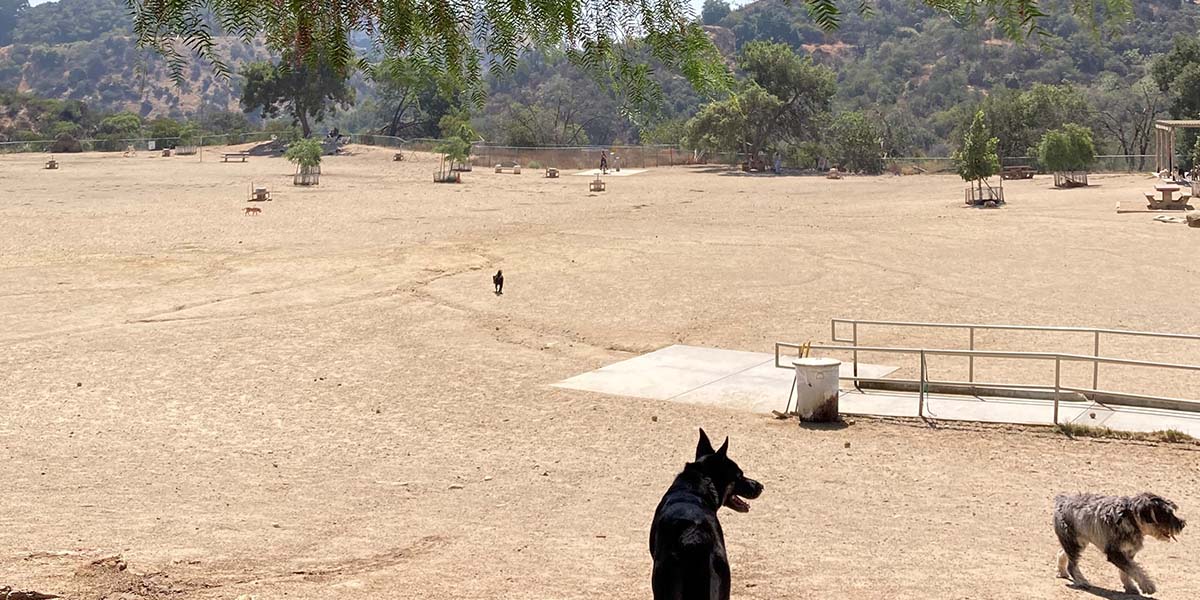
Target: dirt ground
<point>327,400</point>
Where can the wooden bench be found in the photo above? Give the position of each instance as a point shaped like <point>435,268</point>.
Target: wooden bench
<point>515,168</point>
<point>552,173</point>
<point>242,156</point>
<point>1017,172</point>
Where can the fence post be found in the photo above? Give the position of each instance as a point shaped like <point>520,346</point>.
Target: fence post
<point>1096,363</point>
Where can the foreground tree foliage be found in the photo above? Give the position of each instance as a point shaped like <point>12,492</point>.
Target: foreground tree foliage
<point>457,38</point>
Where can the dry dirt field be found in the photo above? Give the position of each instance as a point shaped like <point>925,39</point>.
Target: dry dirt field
<point>327,400</point>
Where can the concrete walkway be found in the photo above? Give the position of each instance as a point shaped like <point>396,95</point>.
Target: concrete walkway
<point>1017,410</point>
<point>750,381</point>
<point>611,172</point>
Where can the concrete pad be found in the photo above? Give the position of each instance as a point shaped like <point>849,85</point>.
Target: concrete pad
<point>1140,206</point>
<point>749,381</point>
<point>610,173</point>
<point>665,373</point>
<point>727,378</point>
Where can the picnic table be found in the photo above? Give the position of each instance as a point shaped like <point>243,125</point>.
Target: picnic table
<point>1167,199</point>
<point>227,156</point>
<point>1167,190</point>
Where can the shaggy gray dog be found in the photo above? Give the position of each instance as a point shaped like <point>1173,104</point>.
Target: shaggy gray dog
<point>1117,526</point>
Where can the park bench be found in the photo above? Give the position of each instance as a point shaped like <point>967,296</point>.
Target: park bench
<point>241,156</point>
<point>551,172</point>
<point>515,168</point>
<point>1017,172</point>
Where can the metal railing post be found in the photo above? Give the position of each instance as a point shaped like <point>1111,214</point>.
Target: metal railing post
<point>921,390</point>
<point>1057,385</point>
<point>1095,363</point>
<point>971,359</point>
<point>854,334</point>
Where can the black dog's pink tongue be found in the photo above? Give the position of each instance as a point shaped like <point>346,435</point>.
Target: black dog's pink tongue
<point>737,504</point>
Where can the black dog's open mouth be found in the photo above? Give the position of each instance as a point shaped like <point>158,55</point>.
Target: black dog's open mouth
<point>737,504</point>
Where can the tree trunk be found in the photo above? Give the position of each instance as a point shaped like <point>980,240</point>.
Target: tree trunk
<point>304,128</point>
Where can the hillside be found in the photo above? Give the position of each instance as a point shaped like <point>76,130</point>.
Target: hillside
<point>84,50</point>
<point>910,68</point>
<point>919,67</point>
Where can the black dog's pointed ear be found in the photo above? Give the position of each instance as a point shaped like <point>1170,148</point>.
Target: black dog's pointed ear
<point>704,447</point>
<point>724,447</point>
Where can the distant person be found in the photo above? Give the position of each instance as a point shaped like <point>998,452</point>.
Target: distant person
<point>778,163</point>
<point>498,282</point>
<point>617,163</point>
<point>604,162</point>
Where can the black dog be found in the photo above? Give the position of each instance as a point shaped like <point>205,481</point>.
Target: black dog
<point>498,281</point>
<point>686,541</point>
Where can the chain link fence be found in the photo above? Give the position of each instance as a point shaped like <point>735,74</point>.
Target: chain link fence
<point>563,157</point>
<point>1105,163</point>
<point>141,144</point>
<point>538,157</point>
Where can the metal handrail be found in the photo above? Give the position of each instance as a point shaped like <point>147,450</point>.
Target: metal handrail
<point>1188,336</point>
<point>972,327</point>
<point>924,381</point>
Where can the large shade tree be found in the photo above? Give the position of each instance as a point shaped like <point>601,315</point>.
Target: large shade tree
<point>745,122</point>
<point>306,92</point>
<point>1177,73</point>
<point>412,100</point>
<point>785,100</point>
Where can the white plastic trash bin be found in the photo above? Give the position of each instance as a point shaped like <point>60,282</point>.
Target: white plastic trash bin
<point>817,389</point>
